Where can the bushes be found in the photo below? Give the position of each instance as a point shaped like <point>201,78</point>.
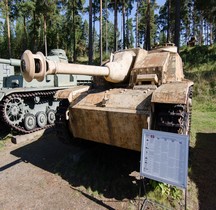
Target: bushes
<point>200,67</point>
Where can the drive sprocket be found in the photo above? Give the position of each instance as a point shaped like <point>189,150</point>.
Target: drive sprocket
<point>14,110</point>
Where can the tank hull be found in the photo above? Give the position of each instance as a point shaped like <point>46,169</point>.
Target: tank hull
<point>139,90</point>
<point>115,117</point>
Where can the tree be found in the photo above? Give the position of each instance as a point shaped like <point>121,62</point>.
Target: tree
<point>115,25</point>
<point>6,9</point>
<point>29,23</point>
<point>73,20</point>
<point>130,36</point>
<point>168,20</point>
<point>83,41</point>
<point>177,24</point>
<point>146,24</point>
<point>101,34</point>
<point>208,15</point>
<point>23,10</point>
<point>148,39</point>
<point>90,54</point>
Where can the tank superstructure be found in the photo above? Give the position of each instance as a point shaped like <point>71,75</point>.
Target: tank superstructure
<point>30,106</point>
<point>136,89</point>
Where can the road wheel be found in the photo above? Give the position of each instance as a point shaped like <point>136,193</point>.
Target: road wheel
<point>29,122</point>
<point>51,116</point>
<point>41,119</point>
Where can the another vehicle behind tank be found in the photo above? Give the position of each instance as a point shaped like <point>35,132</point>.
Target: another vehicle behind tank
<point>27,107</point>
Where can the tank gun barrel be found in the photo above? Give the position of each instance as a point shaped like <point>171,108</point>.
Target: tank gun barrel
<point>79,69</point>
<point>11,61</point>
<point>36,66</point>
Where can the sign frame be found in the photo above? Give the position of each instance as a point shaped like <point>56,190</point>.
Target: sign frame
<point>164,157</point>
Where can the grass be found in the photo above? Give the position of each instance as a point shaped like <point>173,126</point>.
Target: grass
<point>4,140</point>
<point>1,144</point>
<point>200,66</point>
<point>203,119</point>
<point>202,158</point>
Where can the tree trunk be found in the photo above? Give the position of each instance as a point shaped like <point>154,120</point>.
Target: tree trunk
<point>90,52</point>
<point>106,27</point>
<point>34,35</point>
<point>101,44</point>
<point>177,24</point>
<point>25,40</point>
<point>115,25</point>
<point>168,21</point>
<point>148,42</point>
<point>123,22</point>
<point>194,22</point>
<point>210,35</point>
<point>127,31</point>
<point>137,21</point>
<point>207,33</point>
<point>74,35</point>
<point>45,35</point>
<point>94,32</point>
<point>8,28</point>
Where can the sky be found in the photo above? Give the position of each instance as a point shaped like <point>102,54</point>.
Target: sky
<point>160,2</point>
<point>111,17</point>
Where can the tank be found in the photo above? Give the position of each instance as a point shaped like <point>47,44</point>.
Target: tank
<point>26,107</point>
<point>136,89</point>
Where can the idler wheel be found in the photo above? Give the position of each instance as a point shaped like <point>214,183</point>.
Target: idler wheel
<point>51,116</point>
<point>29,122</point>
<point>41,119</point>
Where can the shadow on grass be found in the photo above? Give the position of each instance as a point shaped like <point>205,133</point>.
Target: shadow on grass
<point>101,169</point>
<point>203,165</point>
<point>4,132</point>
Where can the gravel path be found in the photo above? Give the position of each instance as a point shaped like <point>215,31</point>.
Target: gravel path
<point>28,179</point>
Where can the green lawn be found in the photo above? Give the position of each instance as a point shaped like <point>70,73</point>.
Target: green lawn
<point>202,122</point>
<point>202,157</point>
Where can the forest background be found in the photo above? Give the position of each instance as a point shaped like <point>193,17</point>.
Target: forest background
<point>87,29</point>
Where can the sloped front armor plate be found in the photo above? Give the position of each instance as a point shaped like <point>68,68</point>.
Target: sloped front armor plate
<point>115,117</point>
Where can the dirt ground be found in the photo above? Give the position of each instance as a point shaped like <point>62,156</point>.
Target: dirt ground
<point>46,174</point>
<point>32,177</point>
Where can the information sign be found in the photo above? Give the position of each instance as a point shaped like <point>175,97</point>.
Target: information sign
<point>164,157</point>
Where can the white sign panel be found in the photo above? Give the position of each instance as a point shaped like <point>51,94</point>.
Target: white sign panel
<point>164,157</point>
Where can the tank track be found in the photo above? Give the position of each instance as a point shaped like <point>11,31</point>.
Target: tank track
<point>174,118</point>
<point>23,95</point>
<point>61,123</point>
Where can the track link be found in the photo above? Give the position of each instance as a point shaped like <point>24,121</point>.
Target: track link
<point>24,95</point>
<point>174,118</point>
<point>61,123</point>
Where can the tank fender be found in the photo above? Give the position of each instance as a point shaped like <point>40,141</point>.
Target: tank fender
<point>71,93</point>
<point>173,93</point>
